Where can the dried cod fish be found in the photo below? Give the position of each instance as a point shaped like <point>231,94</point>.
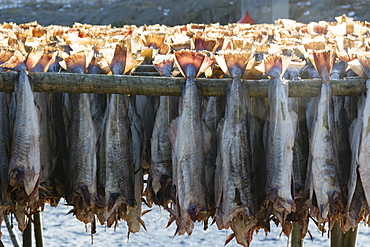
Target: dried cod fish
<point>25,163</point>
<point>190,142</point>
<point>81,186</point>
<point>160,171</point>
<point>280,129</point>
<point>325,170</point>
<point>234,198</point>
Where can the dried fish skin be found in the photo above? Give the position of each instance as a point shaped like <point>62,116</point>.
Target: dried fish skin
<point>119,185</point>
<point>190,141</point>
<point>280,134</point>
<point>81,185</point>
<point>234,194</point>
<point>364,150</point>
<point>161,164</point>
<point>325,167</point>
<point>25,163</point>
<point>190,147</point>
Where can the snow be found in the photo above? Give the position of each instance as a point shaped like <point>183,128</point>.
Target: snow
<point>61,230</point>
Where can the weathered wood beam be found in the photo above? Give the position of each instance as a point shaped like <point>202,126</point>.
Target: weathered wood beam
<point>153,85</point>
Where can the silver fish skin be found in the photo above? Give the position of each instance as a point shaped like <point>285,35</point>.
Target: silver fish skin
<point>190,147</point>
<point>119,185</point>
<point>234,195</point>
<point>25,160</point>
<point>82,185</point>
<point>325,170</point>
<point>134,221</point>
<point>364,149</point>
<point>4,151</point>
<point>161,165</point>
<point>215,111</point>
<point>256,119</point>
<point>46,144</point>
<point>280,131</point>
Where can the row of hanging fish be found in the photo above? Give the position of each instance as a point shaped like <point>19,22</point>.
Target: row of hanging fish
<point>237,161</point>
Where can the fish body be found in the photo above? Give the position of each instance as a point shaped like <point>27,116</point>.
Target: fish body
<point>325,173</point>
<point>82,185</point>
<point>161,164</point>
<point>25,162</point>
<point>234,194</point>
<point>214,113</point>
<point>279,142</point>
<point>190,147</point>
<point>364,148</point>
<point>119,169</point>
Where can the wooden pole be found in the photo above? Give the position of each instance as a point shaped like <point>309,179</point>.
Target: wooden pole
<point>296,236</point>
<point>38,230</point>
<point>27,235</point>
<point>350,238</point>
<point>336,236</point>
<point>13,236</point>
<point>153,85</point>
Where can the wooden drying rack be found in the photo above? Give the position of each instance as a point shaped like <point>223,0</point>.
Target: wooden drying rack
<point>145,81</point>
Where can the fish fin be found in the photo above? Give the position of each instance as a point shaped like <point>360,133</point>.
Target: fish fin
<point>229,238</point>
<point>76,63</point>
<point>118,63</point>
<point>192,211</point>
<point>86,194</point>
<point>142,223</point>
<point>189,62</point>
<point>112,200</point>
<point>146,211</point>
<point>323,62</point>
<point>21,173</point>
<point>170,221</point>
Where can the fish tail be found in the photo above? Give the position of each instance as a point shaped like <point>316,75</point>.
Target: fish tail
<point>189,62</point>
<point>164,64</point>
<point>112,200</point>
<point>323,62</point>
<point>201,43</point>
<point>275,65</point>
<point>118,63</point>
<point>365,64</point>
<point>44,62</point>
<point>76,63</point>
<point>236,62</point>
<point>86,194</point>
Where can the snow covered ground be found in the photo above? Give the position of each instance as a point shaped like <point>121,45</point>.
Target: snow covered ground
<point>61,230</point>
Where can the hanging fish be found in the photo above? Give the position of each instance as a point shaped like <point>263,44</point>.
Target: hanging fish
<point>190,141</point>
<point>160,171</point>
<point>25,162</point>
<point>234,201</point>
<point>324,169</point>
<point>47,148</point>
<point>81,179</point>
<point>280,129</point>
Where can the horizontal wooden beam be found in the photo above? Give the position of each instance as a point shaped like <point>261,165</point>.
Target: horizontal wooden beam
<point>155,85</point>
